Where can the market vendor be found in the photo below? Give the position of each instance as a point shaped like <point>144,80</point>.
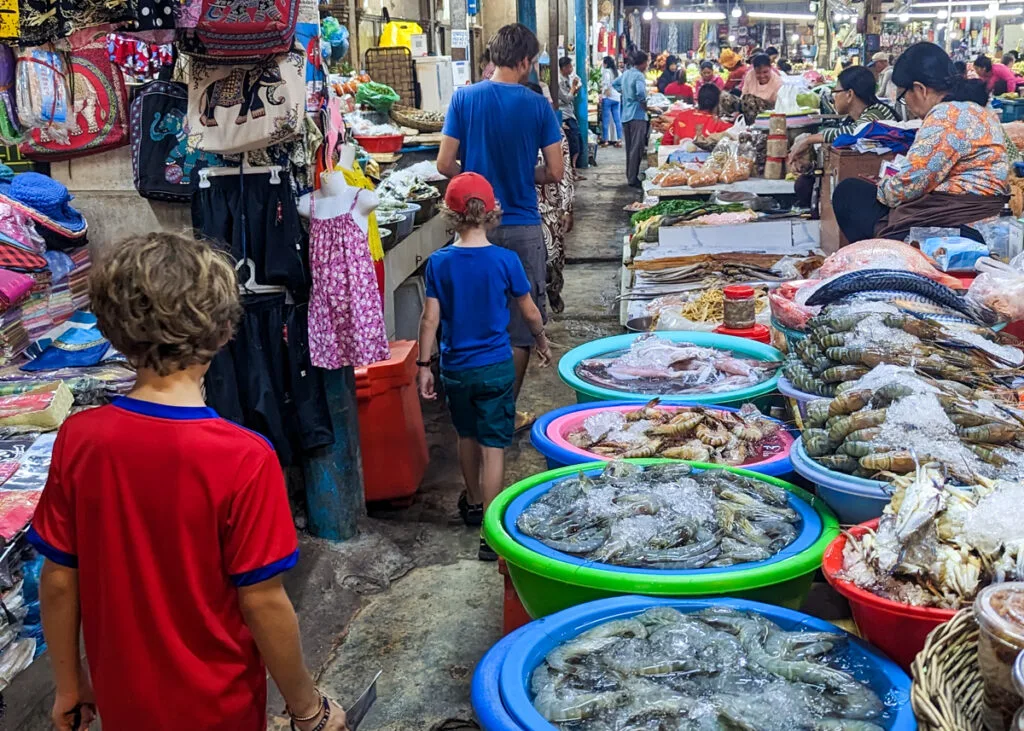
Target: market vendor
<point>708,76</point>
<point>679,88</point>
<point>702,121</point>
<point>956,169</point>
<point>998,78</point>
<point>733,62</point>
<point>853,96</point>
<point>669,74</point>
<point>761,81</point>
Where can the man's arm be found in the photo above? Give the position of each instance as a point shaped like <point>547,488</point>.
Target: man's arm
<point>535,322</point>
<point>62,617</point>
<point>271,618</point>
<point>553,168</point>
<point>448,157</point>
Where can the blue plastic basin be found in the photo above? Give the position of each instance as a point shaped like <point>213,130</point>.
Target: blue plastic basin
<point>485,690</point>
<point>853,499</point>
<point>529,649</point>
<point>810,529</point>
<point>558,456</point>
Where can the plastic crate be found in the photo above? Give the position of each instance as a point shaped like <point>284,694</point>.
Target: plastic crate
<point>1013,110</point>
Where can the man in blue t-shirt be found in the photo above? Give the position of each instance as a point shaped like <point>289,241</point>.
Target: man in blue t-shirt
<point>495,128</point>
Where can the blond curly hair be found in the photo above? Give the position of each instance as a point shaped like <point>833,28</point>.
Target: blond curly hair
<point>165,301</point>
<point>474,217</point>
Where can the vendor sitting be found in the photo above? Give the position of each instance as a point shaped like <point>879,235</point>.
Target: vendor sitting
<point>762,81</point>
<point>708,76</point>
<point>679,88</point>
<point>999,78</point>
<point>733,62</point>
<point>699,122</point>
<point>854,96</point>
<point>956,169</point>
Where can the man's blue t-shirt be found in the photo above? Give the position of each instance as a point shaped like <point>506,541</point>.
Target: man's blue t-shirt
<point>500,128</point>
<point>473,285</point>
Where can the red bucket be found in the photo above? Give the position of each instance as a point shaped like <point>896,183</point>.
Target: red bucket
<point>381,143</point>
<point>898,630</point>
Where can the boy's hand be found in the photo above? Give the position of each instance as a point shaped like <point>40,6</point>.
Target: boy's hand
<point>425,383</point>
<point>543,351</point>
<point>335,723</point>
<point>64,713</point>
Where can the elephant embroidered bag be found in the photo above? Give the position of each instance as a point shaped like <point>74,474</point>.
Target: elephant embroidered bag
<point>165,160</point>
<point>235,109</point>
<point>97,106</point>
<point>229,31</point>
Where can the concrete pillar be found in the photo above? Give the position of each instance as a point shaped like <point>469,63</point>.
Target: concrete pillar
<point>526,13</point>
<point>457,14</point>
<point>582,53</point>
<point>334,475</point>
<point>354,51</point>
<point>553,13</point>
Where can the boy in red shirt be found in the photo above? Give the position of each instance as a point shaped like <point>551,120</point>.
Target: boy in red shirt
<point>166,528</point>
<point>699,122</point>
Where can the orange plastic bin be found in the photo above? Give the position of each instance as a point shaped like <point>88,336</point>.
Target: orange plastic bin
<point>391,435</point>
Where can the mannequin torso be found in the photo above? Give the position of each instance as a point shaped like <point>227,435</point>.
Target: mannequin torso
<point>335,198</point>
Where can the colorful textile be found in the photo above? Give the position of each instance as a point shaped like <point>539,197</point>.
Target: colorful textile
<point>151,501</point>
<point>960,148</point>
<point>47,20</point>
<point>356,178</point>
<point>43,408</point>
<point>346,318</point>
<point>555,201</point>
<point>46,201</point>
<point>77,346</point>
<point>34,465</point>
<point>139,60</point>
<point>849,125</point>
<point>895,138</point>
<point>14,287</point>
<point>16,506</point>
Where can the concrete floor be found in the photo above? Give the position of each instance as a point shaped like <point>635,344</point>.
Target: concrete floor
<point>409,596</point>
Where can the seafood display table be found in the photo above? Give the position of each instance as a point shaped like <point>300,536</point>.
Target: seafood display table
<point>401,263</point>
<point>757,186</point>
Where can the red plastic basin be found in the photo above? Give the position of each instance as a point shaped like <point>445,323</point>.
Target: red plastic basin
<point>381,143</point>
<point>898,630</point>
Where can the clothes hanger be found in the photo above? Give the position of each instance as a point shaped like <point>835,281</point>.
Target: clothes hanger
<point>217,172</point>
<point>250,286</point>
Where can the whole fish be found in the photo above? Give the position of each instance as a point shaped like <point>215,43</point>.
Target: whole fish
<point>868,280</point>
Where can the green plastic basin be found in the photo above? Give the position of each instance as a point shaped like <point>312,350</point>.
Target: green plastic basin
<point>546,585</point>
<point>588,392</point>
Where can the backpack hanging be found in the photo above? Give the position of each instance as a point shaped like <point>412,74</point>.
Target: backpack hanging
<point>240,108</point>
<point>232,31</point>
<point>96,108</point>
<point>165,162</point>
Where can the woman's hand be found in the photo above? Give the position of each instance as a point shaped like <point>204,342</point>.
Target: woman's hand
<point>336,722</point>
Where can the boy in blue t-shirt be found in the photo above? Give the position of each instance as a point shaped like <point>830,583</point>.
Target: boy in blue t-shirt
<point>469,286</point>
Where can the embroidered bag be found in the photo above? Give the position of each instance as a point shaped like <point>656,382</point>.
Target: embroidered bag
<point>241,108</point>
<point>229,31</point>
<point>97,107</point>
<point>165,160</point>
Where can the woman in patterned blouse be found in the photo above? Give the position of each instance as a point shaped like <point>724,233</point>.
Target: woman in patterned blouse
<point>956,169</point>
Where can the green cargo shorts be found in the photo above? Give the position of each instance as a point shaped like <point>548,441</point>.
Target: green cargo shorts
<point>482,403</point>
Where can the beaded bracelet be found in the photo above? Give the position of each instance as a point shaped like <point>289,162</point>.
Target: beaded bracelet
<point>325,708</point>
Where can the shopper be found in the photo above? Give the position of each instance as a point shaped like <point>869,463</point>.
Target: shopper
<point>882,71</point>
<point>708,76</point>
<point>679,88</point>
<point>957,168</point>
<point>669,74</point>
<point>762,81</point>
<point>633,87</point>
<point>469,286</point>
<point>496,128</point>
<point>569,86</point>
<point>166,528</point>
<point>611,104</point>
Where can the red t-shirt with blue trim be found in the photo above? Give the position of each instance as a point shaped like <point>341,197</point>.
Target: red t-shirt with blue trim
<point>165,511</point>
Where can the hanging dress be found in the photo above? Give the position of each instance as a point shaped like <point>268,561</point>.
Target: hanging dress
<point>346,319</point>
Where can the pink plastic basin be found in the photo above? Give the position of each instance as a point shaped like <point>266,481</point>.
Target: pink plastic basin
<point>564,425</point>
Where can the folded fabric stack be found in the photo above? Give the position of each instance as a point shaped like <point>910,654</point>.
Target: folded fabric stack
<point>79,277</point>
<point>14,287</point>
<point>13,335</point>
<point>61,304</point>
<point>36,310</point>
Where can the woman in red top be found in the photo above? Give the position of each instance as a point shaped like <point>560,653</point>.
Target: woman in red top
<point>702,120</point>
<point>679,88</point>
<point>708,76</point>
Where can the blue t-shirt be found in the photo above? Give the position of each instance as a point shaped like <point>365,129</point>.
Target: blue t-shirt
<point>473,285</point>
<point>500,128</point>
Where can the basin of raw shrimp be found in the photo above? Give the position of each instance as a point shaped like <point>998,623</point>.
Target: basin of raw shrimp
<point>854,499</point>
<point>898,629</point>
<point>529,650</point>
<point>548,580</point>
<point>802,398</point>
<point>730,348</point>
<point>485,689</point>
<point>550,432</point>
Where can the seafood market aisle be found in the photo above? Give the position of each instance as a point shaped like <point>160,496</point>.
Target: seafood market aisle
<point>409,596</point>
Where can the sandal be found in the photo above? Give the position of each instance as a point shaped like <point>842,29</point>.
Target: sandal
<point>524,420</point>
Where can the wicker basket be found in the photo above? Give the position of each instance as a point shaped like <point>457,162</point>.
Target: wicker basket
<point>407,117</point>
<point>947,690</point>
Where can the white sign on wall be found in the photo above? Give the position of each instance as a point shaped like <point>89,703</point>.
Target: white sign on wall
<point>460,38</point>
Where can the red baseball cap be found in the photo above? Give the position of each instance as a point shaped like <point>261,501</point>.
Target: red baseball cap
<point>464,188</point>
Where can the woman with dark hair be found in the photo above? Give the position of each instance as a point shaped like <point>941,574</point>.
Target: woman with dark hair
<point>708,76</point>
<point>669,74</point>
<point>956,169</point>
<point>679,88</point>
<point>762,81</point>
<point>998,77</point>
<point>611,104</point>
<point>699,122</point>
<point>855,97</point>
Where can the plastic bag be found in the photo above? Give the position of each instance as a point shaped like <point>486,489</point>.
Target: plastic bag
<point>398,33</point>
<point>786,101</point>
<point>42,92</point>
<point>954,253</point>
<point>1000,287</point>
<point>673,178</point>
<point>379,96</point>
<point>707,175</point>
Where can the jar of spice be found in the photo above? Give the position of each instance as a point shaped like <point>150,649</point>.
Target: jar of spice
<point>999,609</point>
<point>739,306</point>
<point>1018,685</point>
